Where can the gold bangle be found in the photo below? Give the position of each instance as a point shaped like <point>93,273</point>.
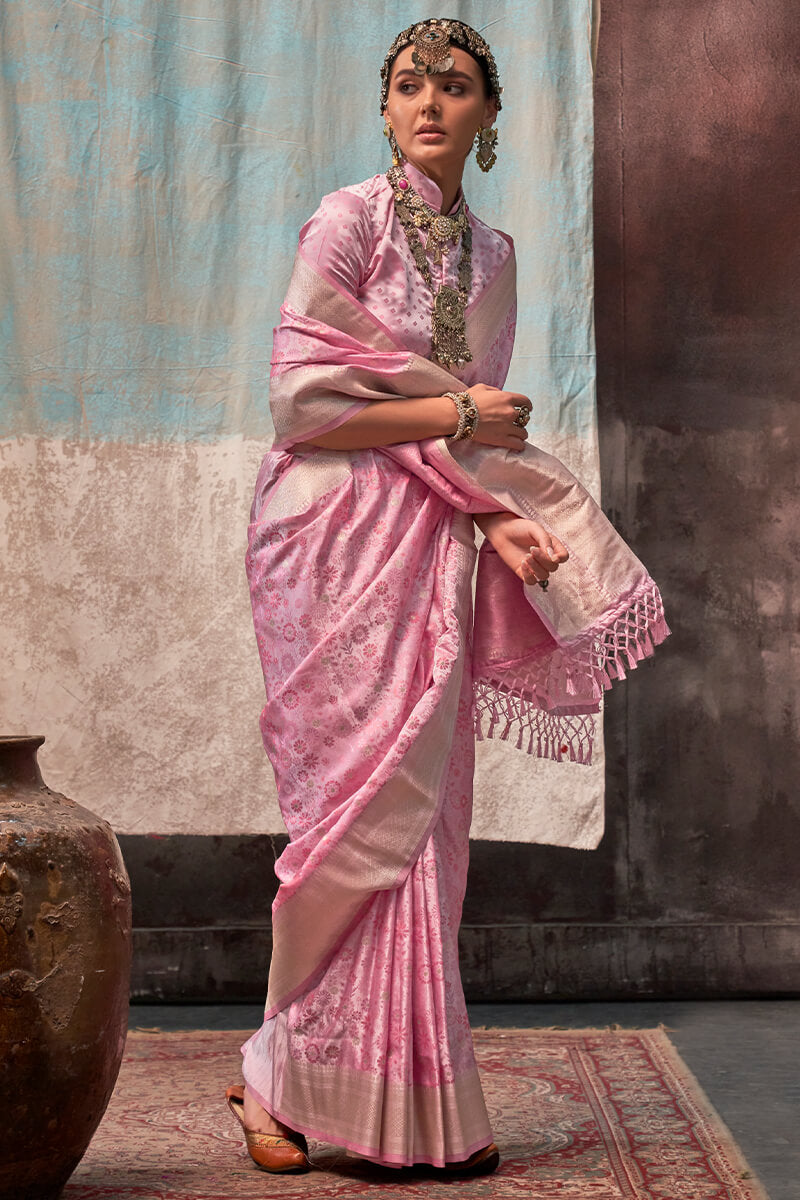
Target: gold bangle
<point>467,416</point>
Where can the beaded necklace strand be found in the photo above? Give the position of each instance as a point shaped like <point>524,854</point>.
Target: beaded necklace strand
<point>448,323</point>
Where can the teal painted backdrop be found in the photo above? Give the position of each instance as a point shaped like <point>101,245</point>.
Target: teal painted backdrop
<point>160,158</point>
<point>157,161</point>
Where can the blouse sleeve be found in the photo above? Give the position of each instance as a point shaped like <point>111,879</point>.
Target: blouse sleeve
<point>338,239</point>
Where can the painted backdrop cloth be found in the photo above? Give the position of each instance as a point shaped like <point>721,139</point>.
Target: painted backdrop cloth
<point>360,566</point>
<point>156,163</point>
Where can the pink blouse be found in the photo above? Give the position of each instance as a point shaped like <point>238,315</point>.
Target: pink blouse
<point>356,237</point>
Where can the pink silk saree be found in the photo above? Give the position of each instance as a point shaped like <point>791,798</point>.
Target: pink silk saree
<point>360,566</point>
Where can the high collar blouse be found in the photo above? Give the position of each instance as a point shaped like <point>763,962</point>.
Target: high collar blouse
<point>356,238</point>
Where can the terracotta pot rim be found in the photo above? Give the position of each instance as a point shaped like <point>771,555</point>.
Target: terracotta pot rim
<point>22,739</point>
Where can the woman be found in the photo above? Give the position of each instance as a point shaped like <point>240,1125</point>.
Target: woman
<point>393,436</point>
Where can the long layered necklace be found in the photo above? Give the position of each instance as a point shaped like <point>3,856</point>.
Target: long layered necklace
<point>448,324</point>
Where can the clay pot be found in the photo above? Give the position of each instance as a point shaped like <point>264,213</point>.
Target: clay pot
<point>65,949</point>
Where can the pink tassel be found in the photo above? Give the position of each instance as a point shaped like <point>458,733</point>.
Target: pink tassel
<point>583,670</point>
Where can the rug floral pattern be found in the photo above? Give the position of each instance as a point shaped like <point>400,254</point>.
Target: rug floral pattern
<point>578,1115</point>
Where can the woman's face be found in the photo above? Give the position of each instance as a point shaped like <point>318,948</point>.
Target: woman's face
<point>436,117</point>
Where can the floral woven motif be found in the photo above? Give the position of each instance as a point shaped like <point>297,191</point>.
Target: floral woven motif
<point>578,1115</point>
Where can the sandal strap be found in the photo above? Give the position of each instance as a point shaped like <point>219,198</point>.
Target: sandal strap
<point>237,1108</point>
<point>254,1138</point>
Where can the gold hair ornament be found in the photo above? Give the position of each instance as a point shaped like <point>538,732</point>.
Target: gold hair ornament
<point>433,41</point>
<point>432,50</point>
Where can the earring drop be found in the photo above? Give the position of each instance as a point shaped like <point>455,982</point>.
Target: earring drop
<point>485,153</point>
<point>388,132</point>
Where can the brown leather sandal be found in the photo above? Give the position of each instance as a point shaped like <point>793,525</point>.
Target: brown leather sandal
<point>278,1155</point>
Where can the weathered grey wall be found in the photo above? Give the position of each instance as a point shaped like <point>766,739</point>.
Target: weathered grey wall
<point>695,889</point>
<point>697,317</point>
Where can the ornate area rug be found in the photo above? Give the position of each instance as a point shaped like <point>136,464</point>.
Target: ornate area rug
<point>578,1115</point>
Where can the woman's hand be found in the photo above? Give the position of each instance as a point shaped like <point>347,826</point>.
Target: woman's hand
<point>498,417</point>
<point>525,546</point>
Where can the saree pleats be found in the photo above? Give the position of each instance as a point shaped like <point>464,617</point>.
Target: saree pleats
<point>377,1056</point>
<point>364,642</point>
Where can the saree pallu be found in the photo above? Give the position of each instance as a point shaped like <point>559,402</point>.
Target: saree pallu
<point>542,659</point>
<point>360,569</point>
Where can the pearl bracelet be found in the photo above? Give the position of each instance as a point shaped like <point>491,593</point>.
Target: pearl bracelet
<point>467,415</point>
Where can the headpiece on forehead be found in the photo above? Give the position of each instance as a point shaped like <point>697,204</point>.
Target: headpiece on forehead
<point>432,41</point>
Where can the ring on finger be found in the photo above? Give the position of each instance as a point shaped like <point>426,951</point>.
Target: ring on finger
<point>523,415</point>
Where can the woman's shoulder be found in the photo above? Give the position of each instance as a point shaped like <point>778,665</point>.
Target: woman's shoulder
<point>368,189</point>
<point>365,199</point>
<point>340,236</point>
<point>355,197</point>
<point>495,239</point>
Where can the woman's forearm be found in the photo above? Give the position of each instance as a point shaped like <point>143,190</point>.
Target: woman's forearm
<point>386,422</point>
<point>488,522</point>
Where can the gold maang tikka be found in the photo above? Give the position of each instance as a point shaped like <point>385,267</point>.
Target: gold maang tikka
<point>431,54</point>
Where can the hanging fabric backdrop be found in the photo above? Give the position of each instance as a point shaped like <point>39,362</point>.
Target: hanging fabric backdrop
<point>157,163</point>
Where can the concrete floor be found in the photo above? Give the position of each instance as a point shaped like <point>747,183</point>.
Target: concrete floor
<point>745,1055</point>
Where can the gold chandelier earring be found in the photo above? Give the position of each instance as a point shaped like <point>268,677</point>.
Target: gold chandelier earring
<point>388,131</point>
<point>485,152</point>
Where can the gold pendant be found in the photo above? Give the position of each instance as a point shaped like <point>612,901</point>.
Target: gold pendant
<point>450,329</point>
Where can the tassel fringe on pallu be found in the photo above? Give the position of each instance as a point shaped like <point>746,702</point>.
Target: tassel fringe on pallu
<point>526,698</point>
